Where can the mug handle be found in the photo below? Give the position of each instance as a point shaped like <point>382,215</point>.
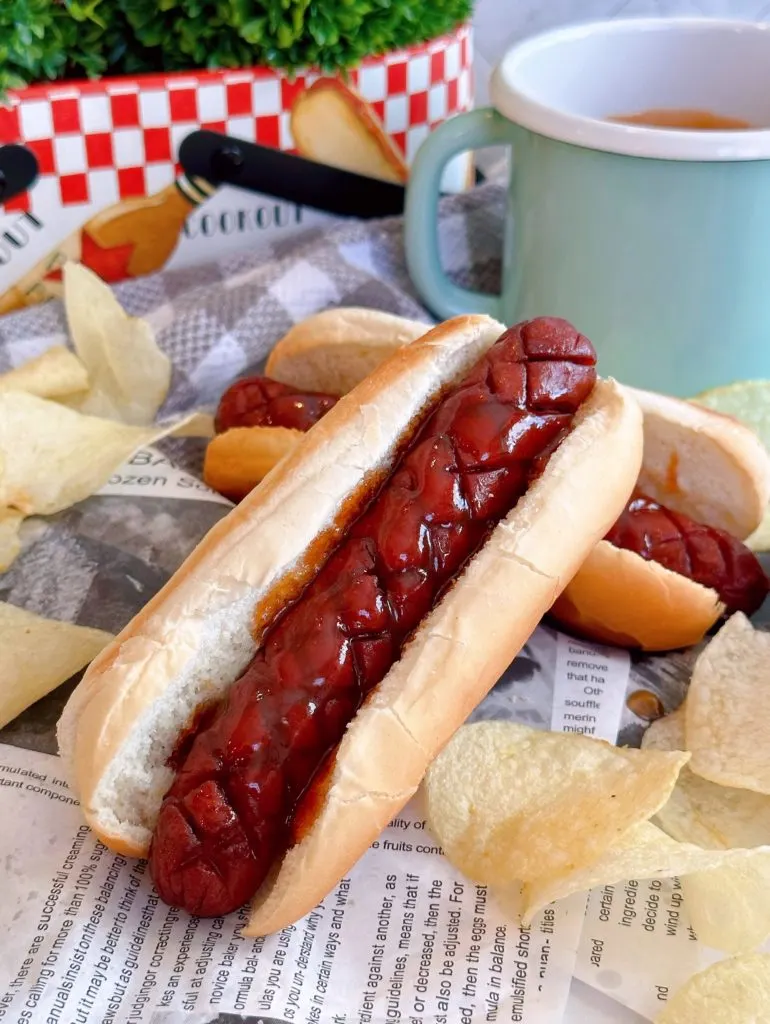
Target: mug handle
<point>465,131</point>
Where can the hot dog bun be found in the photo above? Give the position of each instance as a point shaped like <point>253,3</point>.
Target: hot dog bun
<point>697,462</point>
<point>237,460</point>
<point>618,598</point>
<point>198,633</point>
<point>706,465</point>
<point>334,350</point>
<point>334,125</point>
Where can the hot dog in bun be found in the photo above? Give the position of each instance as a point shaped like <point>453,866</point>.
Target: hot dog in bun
<point>674,563</point>
<point>272,708</point>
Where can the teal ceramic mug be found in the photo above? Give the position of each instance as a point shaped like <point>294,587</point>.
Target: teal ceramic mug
<point>655,242</point>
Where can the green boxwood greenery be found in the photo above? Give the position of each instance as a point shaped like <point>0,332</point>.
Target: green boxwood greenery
<point>52,39</point>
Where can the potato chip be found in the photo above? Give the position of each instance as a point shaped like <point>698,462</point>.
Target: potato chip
<point>735,991</point>
<point>509,803</point>
<point>726,727</point>
<point>644,851</point>
<point>37,655</point>
<point>130,376</point>
<point>729,907</point>
<point>760,538</point>
<point>54,374</point>
<point>701,812</point>
<point>10,545</point>
<point>746,400</point>
<point>53,457</point>
<point>749,402</point>
<point>509,900</point>
<point>200,424</point>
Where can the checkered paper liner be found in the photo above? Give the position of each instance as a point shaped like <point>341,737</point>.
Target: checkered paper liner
<point>101,142</point>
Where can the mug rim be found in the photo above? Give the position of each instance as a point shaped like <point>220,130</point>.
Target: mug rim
<point>514,102</point>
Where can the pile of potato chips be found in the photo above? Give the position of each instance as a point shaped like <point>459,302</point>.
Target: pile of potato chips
<point>539,816</point>
<point>67,421</point>
<point>749,402</point>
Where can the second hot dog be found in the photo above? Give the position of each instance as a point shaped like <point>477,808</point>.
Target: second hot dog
<point>674,562</point>
<point>261,419</point>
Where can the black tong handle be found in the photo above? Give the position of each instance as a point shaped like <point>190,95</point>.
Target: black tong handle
<point>223,160</point>
<point>18,170</point>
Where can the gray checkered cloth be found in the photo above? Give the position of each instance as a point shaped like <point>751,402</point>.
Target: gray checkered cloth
<point>219,319</point>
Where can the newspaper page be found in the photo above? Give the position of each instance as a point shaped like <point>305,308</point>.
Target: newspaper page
<point>403,938</point>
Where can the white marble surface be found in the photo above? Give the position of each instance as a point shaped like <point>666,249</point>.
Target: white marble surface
<point>499,23</point>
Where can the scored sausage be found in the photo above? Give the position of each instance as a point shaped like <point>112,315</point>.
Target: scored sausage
<point>702,553</point>
<point>262,402</point>
<point>248,761</point>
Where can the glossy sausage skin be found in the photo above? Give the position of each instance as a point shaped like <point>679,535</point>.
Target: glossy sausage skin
<point>262,402</point>
<point>704,554</point>
<point>248,760</point>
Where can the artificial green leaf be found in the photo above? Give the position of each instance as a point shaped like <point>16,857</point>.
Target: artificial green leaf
<point>54,39</point>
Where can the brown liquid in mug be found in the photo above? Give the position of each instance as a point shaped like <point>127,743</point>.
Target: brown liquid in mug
<point>702,120</point>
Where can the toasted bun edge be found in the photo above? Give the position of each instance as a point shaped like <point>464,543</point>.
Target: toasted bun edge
<point>238,459</point>
<point>330,352</point>
<point>619,598</point>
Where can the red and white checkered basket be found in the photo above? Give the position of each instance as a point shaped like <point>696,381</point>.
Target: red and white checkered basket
<point>98,143</point>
